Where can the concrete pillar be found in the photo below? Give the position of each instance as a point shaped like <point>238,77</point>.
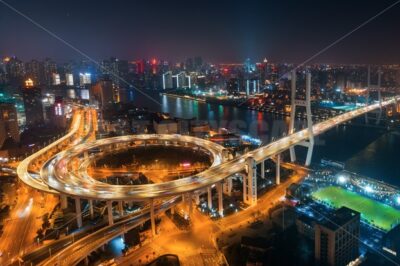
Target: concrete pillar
<point>278,169</point>
<point>189,204</point>
<point>228,186</point>
<point>250,182</point>
<point>152,218</point>
<point>292,112</point>
<point>110,213</point>
<point>91,209</point>
<point>378,120</point>
<point>263,169</point>
<point>78,212</point>
<point>367,96</point>
<point>86,261</point>
<point>309,120</point>
<point>209,197</point>
<point>121,207</point>
<point>64,201</point>
<point>196,198</point>
<point>220,199</point>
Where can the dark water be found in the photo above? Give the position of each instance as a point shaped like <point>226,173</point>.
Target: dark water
<point>370,152</point>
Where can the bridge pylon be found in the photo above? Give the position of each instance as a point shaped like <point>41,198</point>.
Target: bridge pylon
<point>307,104</point>
<point>379,114</point>
<point>378,120</point>
<point>367,96</point>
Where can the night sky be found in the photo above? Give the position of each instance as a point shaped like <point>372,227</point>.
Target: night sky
<point>218,30</point>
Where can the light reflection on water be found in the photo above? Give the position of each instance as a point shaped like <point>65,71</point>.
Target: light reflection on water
<point>370,152</point>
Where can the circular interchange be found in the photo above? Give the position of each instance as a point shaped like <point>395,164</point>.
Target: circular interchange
<point>56,175</point>
<point>148,165</point>
<point>67,171</point>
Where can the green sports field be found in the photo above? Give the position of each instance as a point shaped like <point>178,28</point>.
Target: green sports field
<point>379,214</point>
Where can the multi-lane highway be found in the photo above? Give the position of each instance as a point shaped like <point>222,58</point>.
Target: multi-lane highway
<point>58,176</point>
<point>78,125</point>
<point>73,254</point>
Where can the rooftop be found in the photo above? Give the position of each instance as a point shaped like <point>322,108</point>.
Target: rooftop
<point>339,218</point>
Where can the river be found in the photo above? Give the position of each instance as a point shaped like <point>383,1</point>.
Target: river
<point>370,152</point>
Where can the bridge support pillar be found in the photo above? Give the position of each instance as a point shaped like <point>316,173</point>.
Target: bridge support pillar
<point>309,152</point>
<point>378,120</point>
<point>367,96</point>
<point>152,218</point>
<point>197,198</point>
<point>263,169</point>
<point>91,209</point>
<point>209,197</point>
<point>121,207</point>
<point>250,182</point>
<point>64,202</point>
<point>292,113</point>
<point>110,213</point>
<point>278,169</point>
<point>189,204</point>
<point>307,104</point>
<point>86,261</point>
<point>228,186</point>
<point>220,199</point>
<point>86,155</point>
<point>78,212</point>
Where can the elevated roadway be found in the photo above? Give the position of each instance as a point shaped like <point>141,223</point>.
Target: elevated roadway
<point>59,178</point>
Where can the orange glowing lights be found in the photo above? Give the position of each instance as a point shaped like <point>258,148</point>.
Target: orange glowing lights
<point>29,83</point>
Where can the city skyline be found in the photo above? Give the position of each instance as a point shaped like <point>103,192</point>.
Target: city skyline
<point>199,133</point>
<point>227,32</point>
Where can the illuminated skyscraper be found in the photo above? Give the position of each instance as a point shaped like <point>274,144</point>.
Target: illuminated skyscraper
<point>84,79</point>
<point>167,80</point>
<point>56,79</point>
<point>69,79</point>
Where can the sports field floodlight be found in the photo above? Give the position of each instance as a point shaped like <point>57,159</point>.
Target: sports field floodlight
<point>368,189</point>
<point>342,179</point>
<point>398,199</point>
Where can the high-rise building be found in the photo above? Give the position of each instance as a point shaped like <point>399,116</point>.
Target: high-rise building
<point>189,66</point>
<point>50,67</point>
<point>248,66</point>
<point>337,237</point>
<point>69,79</point>
<point>391,243</point>
<point>167,80</point>
<point>104,92</point>
<point>198,62</point>
<point>8,122</point>
<point>84,79</point>
<point>34,71</point>
<point>15,70</point>
<point>57,114</point>
<point>182,80</point>
<point>56,79</point>
<point>32,97</point>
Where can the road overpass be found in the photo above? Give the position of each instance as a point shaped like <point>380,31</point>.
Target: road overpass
<point>71,183</point>
<point>80,185</point>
